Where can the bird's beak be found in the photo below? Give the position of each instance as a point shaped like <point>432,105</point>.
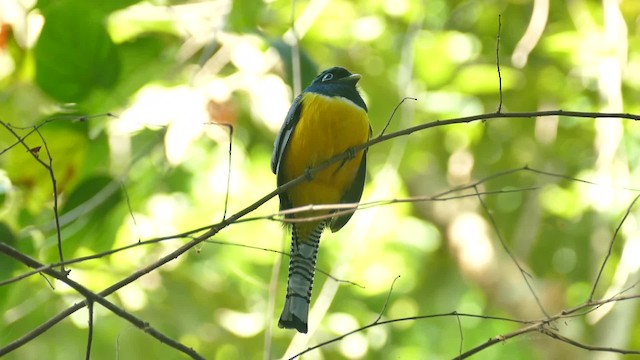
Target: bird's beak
<point>353,78</point>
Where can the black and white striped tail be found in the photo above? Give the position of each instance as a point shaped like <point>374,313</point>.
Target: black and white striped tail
<point>302,264</point>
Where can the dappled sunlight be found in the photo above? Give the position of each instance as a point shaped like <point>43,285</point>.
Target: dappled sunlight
<point>546,130</point>
<point>195,19</point>
<point>605,195</point>
<point>402,308</point>
<point>355,347</point>
<point>460,167</point>
<point>396,7</point>
<point>462,47</point>
<point>239,323</point>
<point>469,240</point>
<point>133,297</point>
<point>449,103</point>
<point>164,211</point>
<point>272,108</point>
<point>368,28</point>
<point>378,275</point>
<point>341,322</point>
<point>181,109</point>
<point>564,202</point>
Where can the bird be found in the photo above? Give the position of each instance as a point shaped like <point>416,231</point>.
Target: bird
<point>328,118</point>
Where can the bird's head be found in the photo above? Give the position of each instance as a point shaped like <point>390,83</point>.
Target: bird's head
<point>336,75</point>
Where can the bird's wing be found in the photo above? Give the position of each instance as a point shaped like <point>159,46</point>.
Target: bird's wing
<point>353,194</point>
<point>280,146</point>
<point>282,140</point>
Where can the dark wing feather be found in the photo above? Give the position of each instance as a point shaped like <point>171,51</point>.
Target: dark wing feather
<point>285,134</point>
<point>280,145</point>
<point>353,194</point>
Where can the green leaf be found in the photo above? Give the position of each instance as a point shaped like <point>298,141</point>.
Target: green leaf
<point>74,53</point>
<point>8,237</point>
<point>144,59</point>
<point>86,190</point>
<point>244,15</point>
<point>97,6</point>
<point>7,265</point>
<point>95,203</point>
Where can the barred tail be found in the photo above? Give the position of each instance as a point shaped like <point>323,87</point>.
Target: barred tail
<point>302,264</point>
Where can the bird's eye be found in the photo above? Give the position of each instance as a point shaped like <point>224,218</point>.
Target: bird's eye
<point>327,77</point>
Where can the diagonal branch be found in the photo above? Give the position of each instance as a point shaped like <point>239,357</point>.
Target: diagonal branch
<point>90,298</point>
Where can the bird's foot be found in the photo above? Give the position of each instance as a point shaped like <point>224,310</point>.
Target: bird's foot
<point>307,174</point>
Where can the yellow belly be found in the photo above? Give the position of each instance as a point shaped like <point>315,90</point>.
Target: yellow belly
<point>328,126</point>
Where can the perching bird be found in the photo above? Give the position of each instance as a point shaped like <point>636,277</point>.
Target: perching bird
<point>327,119</point>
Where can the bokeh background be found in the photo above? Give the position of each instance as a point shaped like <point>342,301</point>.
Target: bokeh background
<point>170,72</point>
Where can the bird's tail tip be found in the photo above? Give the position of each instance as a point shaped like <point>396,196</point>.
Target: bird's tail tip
<point>295,315</point>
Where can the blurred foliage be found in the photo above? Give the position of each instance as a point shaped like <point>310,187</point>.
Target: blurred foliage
<point>133,93</point>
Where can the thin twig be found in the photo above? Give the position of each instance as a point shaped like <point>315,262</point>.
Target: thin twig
<point>226,194</point>
<point>410,318</point>
<point>592,305</point>
<point>567,177</point>
<point>498,339</point>
<point>33,128</point>
<point>49,168</point>
<point>557,336</point>
<point>498,63</point>
<point>394,113</point>
<point>133,218</point>
<point>611,243</point>
<point>461,334</point>
<point>90,329</point>
<point>523,272</point>
<point>386,302</point>
<point>348,208</point>
<point>230,151</point>
<point>284,254</point>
